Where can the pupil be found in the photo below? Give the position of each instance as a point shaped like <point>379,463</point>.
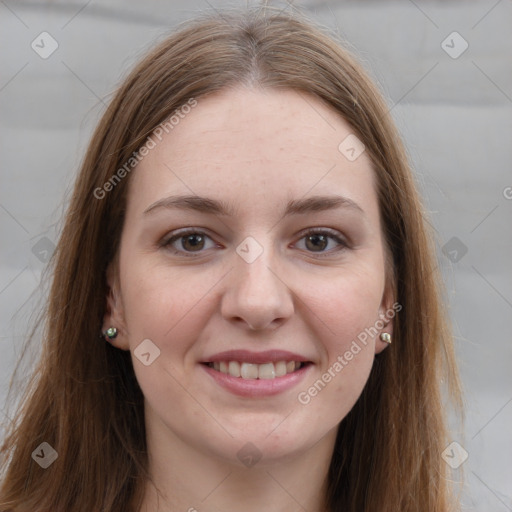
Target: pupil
<point>317,237</point>
<point>190,240</point>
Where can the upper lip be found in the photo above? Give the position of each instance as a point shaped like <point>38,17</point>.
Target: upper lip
<point>246,356</point>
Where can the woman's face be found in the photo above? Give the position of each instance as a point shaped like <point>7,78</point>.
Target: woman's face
<point>273,261</point>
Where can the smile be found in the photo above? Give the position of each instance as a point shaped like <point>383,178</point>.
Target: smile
<point>270,370</point>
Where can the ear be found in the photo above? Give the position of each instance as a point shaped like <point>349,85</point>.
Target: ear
<point>387,312</point>
<point>114,314</point>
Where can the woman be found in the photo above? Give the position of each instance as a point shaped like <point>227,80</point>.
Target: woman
<point>245,307</point>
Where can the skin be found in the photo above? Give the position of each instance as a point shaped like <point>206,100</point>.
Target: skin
<point>255,150</point>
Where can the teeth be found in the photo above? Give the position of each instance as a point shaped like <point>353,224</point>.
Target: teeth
<point>234,369</point>
<point>249,371</point>
<point>280,368</point>
<point>256,371</point>
<point>266,371</point>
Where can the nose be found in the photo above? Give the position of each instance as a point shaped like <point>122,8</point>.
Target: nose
<point>256,295</point>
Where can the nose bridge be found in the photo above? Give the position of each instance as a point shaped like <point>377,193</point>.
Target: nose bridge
<point>255,268</point>
<point>260,275</point>
<point>257,293</point>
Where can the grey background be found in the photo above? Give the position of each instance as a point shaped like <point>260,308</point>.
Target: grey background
<point>454,114</point>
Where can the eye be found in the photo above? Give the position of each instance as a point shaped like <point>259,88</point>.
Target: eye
<point>317,241</point>
<point>190,241</point>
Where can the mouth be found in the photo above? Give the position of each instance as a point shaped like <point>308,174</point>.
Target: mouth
<point>259,374</point>
<point>253,371</point>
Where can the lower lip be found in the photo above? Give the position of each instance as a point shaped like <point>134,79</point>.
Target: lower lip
<point>258,387</point>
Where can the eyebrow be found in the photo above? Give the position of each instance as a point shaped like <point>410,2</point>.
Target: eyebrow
<point>215,207</point>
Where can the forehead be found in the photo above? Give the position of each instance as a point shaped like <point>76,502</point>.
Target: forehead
<point>250,146</point>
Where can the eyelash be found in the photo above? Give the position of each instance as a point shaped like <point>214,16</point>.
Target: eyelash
<point>167,243</point>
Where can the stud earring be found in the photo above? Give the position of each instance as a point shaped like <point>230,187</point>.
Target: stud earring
<point>110,333</point>
<point>386,337</point>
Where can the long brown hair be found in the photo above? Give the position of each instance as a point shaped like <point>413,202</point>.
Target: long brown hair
<point>84,399</point>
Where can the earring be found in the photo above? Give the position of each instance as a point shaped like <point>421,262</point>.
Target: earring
<point>110,333</point>
<point>386,337</point>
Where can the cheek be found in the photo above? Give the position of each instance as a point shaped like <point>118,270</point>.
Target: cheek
<point>347,305</point>
<point>153,296</point>
<point>346,312</point>
<point>168,306</point>
<point>348,348</point>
